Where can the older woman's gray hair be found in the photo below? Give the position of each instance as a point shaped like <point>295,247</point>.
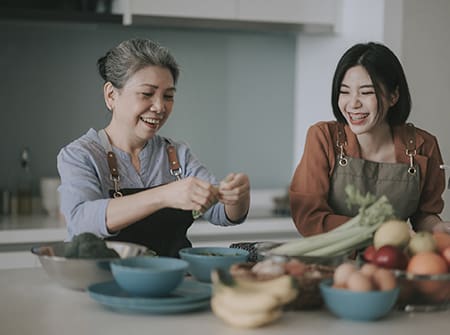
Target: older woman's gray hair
<point>124,60</point>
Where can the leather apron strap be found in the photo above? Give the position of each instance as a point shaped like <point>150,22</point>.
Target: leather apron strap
<point>391,179</point>
<point>163,231</point>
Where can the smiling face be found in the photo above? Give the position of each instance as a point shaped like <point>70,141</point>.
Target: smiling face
<point>359,104</point>
<point>144,103</point>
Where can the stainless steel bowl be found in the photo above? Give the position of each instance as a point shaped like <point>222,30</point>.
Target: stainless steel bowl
<point>78,274</point>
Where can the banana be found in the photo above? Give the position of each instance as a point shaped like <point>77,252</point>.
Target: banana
<point>244,320</point>
<point>248,304</point>
<point>244,301</point>
<point>283,288</point>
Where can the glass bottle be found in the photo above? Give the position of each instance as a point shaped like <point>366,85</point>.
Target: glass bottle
<point>24,187</point>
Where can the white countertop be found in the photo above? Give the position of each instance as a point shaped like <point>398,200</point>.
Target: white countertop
<point>19,233</point>
<point>43,228</point>
<point>33,304</point>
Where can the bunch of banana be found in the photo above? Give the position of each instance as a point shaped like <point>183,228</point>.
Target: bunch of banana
<point>250,304</point>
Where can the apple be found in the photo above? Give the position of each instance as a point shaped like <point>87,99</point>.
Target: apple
<point>390,257</point>
<point>369,253</point>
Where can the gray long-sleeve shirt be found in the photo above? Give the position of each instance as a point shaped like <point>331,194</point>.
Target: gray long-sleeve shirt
<point>85,179</point>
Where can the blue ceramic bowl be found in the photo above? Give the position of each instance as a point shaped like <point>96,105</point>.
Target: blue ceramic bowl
<point>359,306</point>
<point>202,260</point>
<point>149,276</point>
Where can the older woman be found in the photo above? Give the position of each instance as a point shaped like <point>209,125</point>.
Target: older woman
<point>127,183</point>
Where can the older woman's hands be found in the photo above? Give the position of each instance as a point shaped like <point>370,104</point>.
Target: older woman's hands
<point>191,194</point>
<point>234,193</point>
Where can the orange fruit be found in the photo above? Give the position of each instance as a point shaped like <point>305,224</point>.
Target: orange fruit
<point>442,240</point>
<point>427,263</point>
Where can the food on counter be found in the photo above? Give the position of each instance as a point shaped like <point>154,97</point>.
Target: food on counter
<point>88,246</point>
<point>422,241</point>
<point>442,240</point>
<point>369,253</point>
<point>430,263</point>
<point>368,278</point>
<point>446,254</point>
<point>390,257</point>
<point>393,232</point>
<point>250,304</point>
<point>427,263</point>
<point>307,277</point>
<point>342,274</point>
<point>357,231</point>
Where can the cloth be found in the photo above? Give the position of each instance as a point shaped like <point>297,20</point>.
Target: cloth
<point>85,180</point>
<point>164,231</point>
<point>310,185</point>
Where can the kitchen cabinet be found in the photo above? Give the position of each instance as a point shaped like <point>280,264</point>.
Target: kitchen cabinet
<point>282,14</point>
<point>322,12</point>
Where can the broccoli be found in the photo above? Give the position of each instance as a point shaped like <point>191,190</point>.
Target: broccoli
<point>88,245</point>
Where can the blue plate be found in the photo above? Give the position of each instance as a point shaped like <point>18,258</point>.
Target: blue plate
<point>190,295</point>
<point>155,309</point>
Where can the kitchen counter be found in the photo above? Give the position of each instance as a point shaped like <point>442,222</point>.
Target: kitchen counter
<point>19,233</point>
<point>33,304</point>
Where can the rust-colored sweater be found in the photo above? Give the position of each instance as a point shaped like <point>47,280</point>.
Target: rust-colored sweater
<point>311,181</point>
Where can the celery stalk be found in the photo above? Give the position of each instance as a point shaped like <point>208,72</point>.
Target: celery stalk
<point>347,244</point>
<point>308,244</point>
<point>348,235</point>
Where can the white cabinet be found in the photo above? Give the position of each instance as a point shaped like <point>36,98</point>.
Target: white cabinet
<point>229,13</point>
<point>289,11</point>
<point>209,9</point>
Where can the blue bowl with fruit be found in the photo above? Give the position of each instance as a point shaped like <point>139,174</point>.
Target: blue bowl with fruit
<point>358,306</point>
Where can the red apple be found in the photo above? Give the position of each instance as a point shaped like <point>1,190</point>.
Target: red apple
<point>369,253</point>
<point>390,257</point>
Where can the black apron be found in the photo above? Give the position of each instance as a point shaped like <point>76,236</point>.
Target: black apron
<point>163,231</point>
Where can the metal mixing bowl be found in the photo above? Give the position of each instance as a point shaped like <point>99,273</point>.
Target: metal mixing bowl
<point>78,274</point>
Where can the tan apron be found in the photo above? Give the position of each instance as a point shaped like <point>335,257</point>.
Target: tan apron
<point>399,182</point>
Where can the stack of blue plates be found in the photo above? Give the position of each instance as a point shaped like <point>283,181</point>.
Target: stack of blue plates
<point>191,295</point>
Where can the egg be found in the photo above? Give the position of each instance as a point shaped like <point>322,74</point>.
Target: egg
<point>359,282</point>
<point>384,279</point>
<point>342,274</point>
<point>368,269</point>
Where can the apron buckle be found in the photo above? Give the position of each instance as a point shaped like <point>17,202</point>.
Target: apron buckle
<point>176,173</point>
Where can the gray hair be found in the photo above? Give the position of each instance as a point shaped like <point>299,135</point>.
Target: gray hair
<point>124,60</point>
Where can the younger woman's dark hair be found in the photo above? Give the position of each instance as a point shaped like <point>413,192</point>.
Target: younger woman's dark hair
<point>130,56</point>
<point>387,76</point>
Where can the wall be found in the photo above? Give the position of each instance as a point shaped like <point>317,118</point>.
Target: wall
<point>426,54</point>
<point>234,105</point>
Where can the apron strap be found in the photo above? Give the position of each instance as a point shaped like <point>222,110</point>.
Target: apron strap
<point>411,151</point>
<point>112,162</point>
<point>174,164</point>
<point>340,142</point>
<point>175,168</point>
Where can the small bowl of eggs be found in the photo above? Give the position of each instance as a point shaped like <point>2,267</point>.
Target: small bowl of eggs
<point>361,294</point>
